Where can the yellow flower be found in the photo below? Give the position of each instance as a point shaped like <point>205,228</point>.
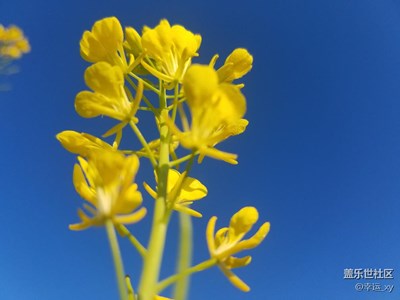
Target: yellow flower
<point>105,181</point>
<point>82,143</point>
<point>105,43</point>
<point>172,49</point>
<point>182,191</point>
<point>109,97</point>
<point>216,110</point>
<point>13,43</point>
<point>237,64</point>
<point>229,240</point>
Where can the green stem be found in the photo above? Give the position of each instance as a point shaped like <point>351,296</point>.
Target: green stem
<point>144,143</point>
<point>147,101</point>
<point>131,293</point>
<point>155,249</point>
<point>183,159</point>
<point>124,232</point>
<point>149,86</point>
<point>175,103</point>
<point>119,268</point>
<point>185,256</point>
<point>197,268</point>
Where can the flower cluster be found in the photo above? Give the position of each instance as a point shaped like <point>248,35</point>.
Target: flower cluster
<point>196,108</point>
<point>13,43</point>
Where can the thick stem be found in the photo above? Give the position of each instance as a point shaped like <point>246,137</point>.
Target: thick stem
<point>119,267</point>
<point>152,261</point>
<point>185,256</point>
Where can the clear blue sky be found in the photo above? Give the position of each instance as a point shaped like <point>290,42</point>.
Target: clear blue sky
<point>320,158</point>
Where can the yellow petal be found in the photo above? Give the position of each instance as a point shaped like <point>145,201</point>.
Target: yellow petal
<point>210,234</point>
<point>237,64</point>
<point>242,222</point>
<point>105,38</point>
<point>148,189</point>
<point>187,210</point>
<point>130,169</point>
<point>91,105</point>
<point>192,189</point>
<point>161,298</point>
<point>86,222</point>
<point>220,236</point>
<point>133,41</point>
<point>217,154</point>
<point>81,143</point>
<point>173,177</point>
<point>234,128</point>
<point>237,127</point>
<point>256,239</point>
<point>104,78</point>
<point>235,262</point>
<point>128,200</point>
<point>81,186</point>
<point>131,218</point>
<point>236,281</point>
<point>200,82</point>
<point>230,102</point>
<point>86,170</point>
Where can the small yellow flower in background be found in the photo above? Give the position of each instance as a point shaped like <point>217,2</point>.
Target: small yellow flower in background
<point>216,110</point>
<point>82,143</point>
<point>237,64</point>
<point>13,43</point>
<point>105,181</point>
<point>172,48</point>
<point>109,97</point>
<point>105,43</point>
<point>229,240</point>
<point>182,191</point>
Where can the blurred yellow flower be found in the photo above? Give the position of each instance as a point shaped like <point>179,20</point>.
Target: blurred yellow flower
<point>13,43</point>
<point>216,110</point>
<point>81,143</point>
<point>172,49</point>
<point>105,181</point>
<point>229,241</point>
<point>109,97</point>
<point>182,191</point>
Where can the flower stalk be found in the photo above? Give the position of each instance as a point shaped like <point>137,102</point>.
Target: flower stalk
<point>153,259</point>
<point>118,265</point>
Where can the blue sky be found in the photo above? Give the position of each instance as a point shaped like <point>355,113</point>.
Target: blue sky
<point>320,158</point>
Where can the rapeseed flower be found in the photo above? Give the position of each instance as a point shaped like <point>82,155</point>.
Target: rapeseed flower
<point>13,43</point>
<point>109,96</point>
<point>171,48</point>
<point>182,191</point>
<point>82,143</point>
<point>229,240</point>
<point>105,181</point>
<point>105,43</point>
<point>216,113</point>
